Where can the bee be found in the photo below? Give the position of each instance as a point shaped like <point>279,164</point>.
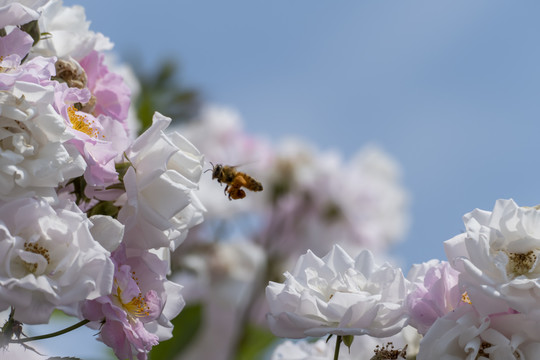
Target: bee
<point>235,180</point>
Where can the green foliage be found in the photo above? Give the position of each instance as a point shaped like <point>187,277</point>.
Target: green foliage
<point>32,29</point>
<point>79,184</point>
<point>104,208</point>
<point>161,91</point>
<point>121,169</point>
<point>255,343</point>
<point>186,326</point>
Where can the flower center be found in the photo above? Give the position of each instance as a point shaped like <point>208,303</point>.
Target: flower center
<point>80,123</point>
<point>137,306</point>
<point>388,351</point>
<point>486,355</point>
<point>520,263</point>
<point>465,298</point>
<point>36,249</point>
<point>484,345</point>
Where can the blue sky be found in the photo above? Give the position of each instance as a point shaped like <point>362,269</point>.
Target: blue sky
<point>450,89</point>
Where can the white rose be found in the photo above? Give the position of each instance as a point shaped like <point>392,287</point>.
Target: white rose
<point>160,205</point>
<point>70,34</point>
<point>34,158</point>
<point>497,258</point>
<point>50,260</point>
<point>338,295</point>
<point>464,334</point>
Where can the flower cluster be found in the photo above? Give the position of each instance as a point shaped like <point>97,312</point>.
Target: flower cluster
<point>96,222</point>
<point>89,213</point>
<point>496,263</point>
<point>482,303</point>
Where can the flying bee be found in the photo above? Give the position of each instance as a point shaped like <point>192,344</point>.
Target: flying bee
<point>235,180</point>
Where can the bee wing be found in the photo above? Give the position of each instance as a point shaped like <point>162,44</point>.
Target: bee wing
<point>243,164</point>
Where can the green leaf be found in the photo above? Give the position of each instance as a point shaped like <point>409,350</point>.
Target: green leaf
<point>79,184</point>
<point>103,208</point>
<point>32,29</point>
<point>122,168</point>
<point>255,343</point>
<point>161,91</point>
<point>186,326</point>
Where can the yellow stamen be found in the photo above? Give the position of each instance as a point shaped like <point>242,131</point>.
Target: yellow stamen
<point>465,298</point>
<point>137,306</point>
<point>80,123</point>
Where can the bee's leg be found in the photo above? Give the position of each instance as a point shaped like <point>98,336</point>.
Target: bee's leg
<point>235,192</point>
<point>241,194</point>
<point>225,190</point>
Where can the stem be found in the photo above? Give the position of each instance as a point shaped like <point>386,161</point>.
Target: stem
<point>338,344</point>
<point>46,336</point>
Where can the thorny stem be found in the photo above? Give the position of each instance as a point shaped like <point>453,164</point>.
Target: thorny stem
<point>46,336</point>
<point>338,344</point>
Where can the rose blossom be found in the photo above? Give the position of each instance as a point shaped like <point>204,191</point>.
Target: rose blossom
<point>137,314</point>
<point>465,334</point>
<point>35,157</point>
<point>160,184</point>
<point>37,70</point>
<point>435,293</point>
<point>497,258</point>
<point>338,295</point>
<point>70,34</point>
<point>98,139</point>
<point>50,259</point>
